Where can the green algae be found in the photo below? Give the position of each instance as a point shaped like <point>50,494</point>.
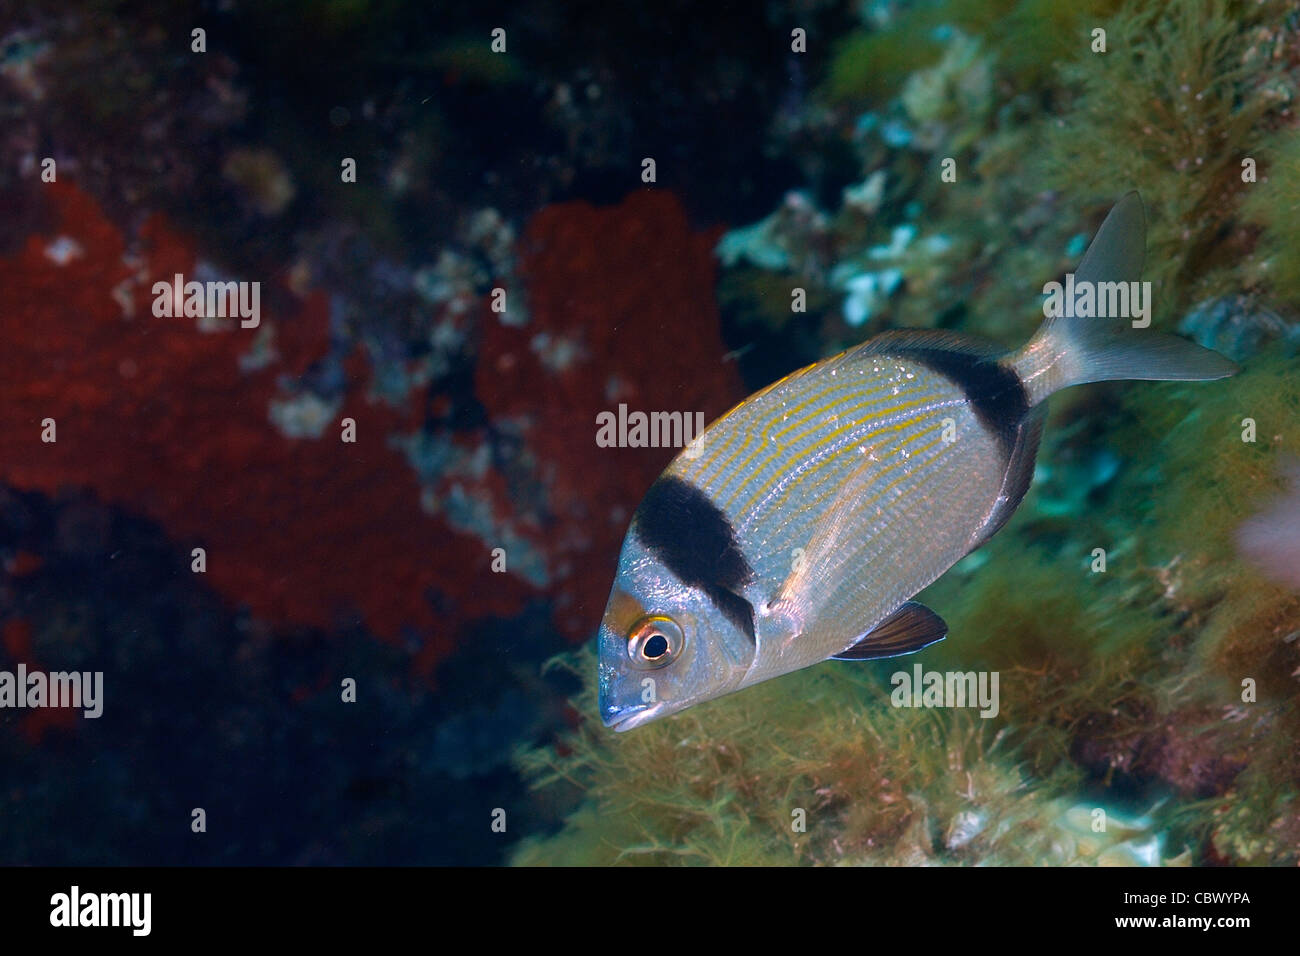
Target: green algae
<point>1032,37</point>
<point>871,66</point>
<point>717,785</point>
<point>1273,203</point>
<point>1178,101</point>
<point>1028,38</point>
<point>1183,94</point>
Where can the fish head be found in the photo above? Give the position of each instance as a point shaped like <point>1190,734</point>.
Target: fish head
<point>664,645</point>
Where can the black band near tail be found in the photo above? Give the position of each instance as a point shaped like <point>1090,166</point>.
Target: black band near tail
<point>995,392</point>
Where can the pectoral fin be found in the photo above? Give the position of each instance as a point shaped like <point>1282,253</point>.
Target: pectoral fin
<point>910,628</point>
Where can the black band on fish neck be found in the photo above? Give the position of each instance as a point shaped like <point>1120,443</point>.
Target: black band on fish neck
<point>681,527</point>
<point>995,392</point>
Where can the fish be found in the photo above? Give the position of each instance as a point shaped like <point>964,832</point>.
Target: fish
<point>798,527</point>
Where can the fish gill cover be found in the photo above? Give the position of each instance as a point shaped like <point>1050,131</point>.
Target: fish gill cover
<point>322,550</point>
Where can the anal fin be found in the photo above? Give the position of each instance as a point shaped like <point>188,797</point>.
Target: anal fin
<point>910,628</point>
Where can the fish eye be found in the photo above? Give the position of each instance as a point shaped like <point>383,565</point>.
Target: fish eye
<point>654,642</point>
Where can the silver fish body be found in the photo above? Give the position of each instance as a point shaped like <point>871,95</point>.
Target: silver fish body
<point>798,525</point>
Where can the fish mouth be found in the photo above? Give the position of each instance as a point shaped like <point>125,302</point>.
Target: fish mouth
<point>633,717</point>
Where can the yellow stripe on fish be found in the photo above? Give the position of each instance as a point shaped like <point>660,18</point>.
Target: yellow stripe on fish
<point>744,468</point>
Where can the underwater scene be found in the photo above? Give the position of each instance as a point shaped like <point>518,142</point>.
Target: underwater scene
<point>552,433</point>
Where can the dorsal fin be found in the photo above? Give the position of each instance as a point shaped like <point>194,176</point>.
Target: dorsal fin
<point>910,628</point>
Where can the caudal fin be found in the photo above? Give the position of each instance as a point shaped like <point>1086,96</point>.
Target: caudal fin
<point>1070,350</point>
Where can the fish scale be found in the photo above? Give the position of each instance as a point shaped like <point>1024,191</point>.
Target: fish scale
<point>804,396</point>
<point>773,526</point>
